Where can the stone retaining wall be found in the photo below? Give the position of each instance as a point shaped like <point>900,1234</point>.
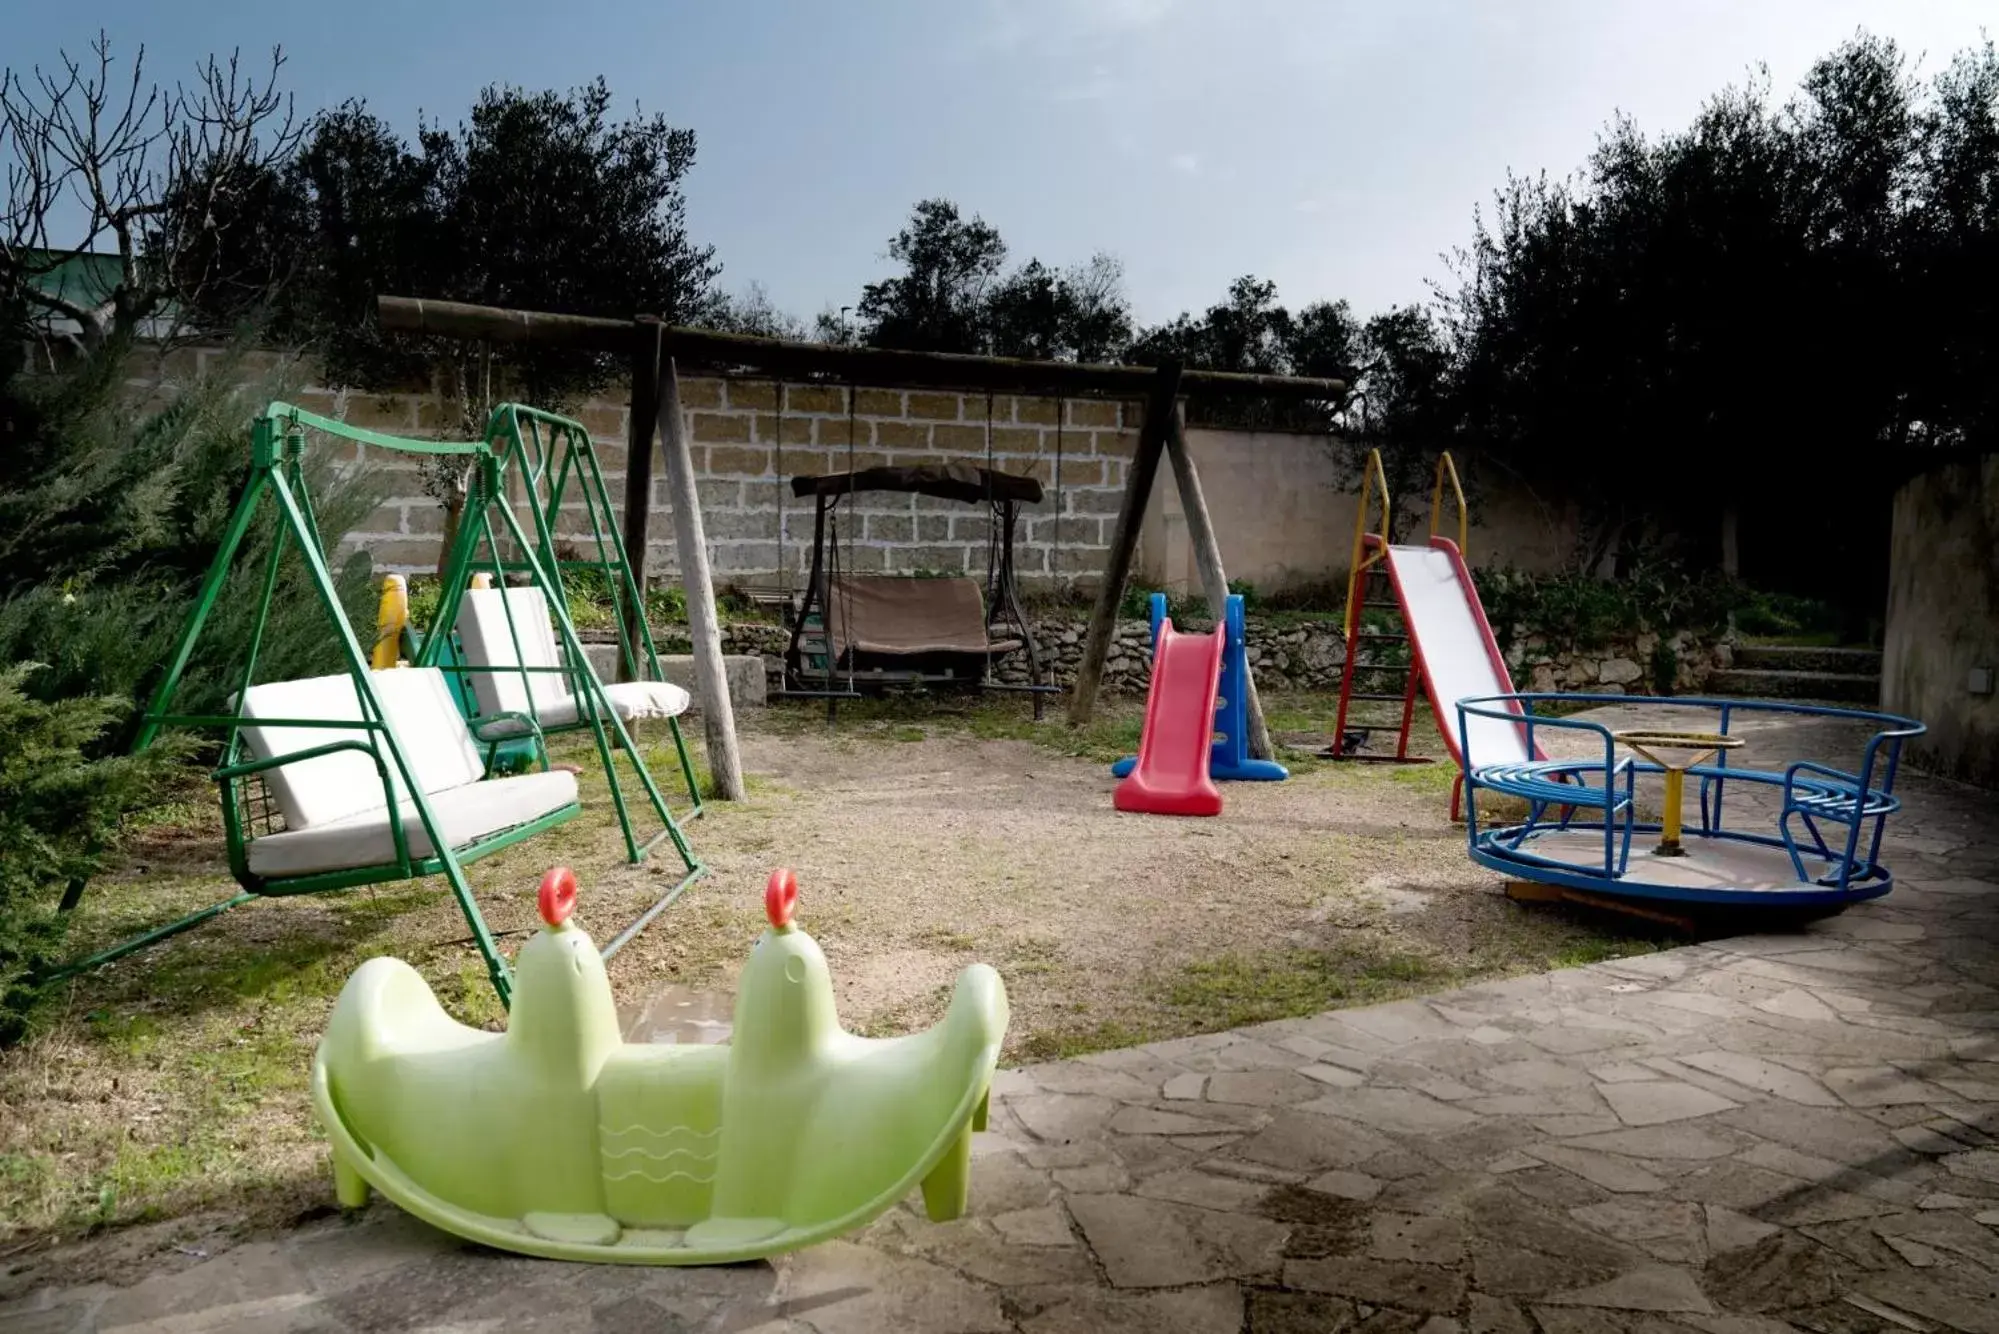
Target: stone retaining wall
<point>1308,657</point>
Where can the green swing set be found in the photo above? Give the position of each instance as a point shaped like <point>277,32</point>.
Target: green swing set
<point>370,777</point>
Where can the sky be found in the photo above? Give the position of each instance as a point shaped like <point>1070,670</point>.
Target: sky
<point>1337,148</point>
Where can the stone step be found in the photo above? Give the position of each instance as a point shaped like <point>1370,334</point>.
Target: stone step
<point>1833,687</point>
<point>1804,658</point>
<point>744,672</point>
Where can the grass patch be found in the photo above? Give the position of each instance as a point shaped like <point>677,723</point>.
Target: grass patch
<point>1234,990</point>
<point>1111,735</point>
<point>1237,989</point>
<point>1562,708</point>
<point>1060,1044</point>
<point>1436,778</point>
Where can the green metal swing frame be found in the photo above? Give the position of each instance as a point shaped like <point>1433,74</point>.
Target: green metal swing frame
<point>529,444</point>
<point>547,453</point>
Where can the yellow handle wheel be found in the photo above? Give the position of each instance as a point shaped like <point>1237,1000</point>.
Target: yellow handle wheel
<point>1687,749</point>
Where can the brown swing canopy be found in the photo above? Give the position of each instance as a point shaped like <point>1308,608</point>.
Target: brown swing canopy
<point>952,481</point>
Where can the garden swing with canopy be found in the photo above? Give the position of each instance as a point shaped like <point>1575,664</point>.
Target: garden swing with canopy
<point>368,777</point>
<point>856,633</point>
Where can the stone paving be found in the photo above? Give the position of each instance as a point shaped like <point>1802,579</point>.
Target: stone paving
<point>1785,1131</point>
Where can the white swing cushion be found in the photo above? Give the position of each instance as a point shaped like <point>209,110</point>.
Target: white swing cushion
<point>416,702</point>
<point>464,815</point>
<point>335,816</point>
<point>487,641</point>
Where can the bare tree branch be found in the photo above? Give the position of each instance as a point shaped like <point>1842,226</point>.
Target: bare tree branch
<point>163,175</point>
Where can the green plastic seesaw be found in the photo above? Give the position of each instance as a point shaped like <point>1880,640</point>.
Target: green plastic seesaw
<point>557,1138</point>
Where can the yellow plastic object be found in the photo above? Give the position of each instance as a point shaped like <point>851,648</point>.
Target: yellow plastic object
<point>392,617</point>
<point>557,1138</point>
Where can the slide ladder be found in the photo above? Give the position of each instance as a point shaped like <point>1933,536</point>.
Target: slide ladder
<point>1427,606</point>
<point>1383,639</point>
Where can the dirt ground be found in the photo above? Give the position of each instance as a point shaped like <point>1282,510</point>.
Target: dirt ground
<point>168,1096</point>
<point>919,856</point>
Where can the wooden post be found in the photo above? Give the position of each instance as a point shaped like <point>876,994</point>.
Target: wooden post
<point>718,712</point>
<point>638,472</point>
<point>1124,540</point>
<point>1208,560</point>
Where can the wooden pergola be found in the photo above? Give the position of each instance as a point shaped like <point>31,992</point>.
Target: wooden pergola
<point>655,350</point>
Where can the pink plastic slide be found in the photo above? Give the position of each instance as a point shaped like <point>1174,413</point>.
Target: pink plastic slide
<point>1171,777</point>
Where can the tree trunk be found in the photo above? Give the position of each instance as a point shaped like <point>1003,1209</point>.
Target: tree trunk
<point>1731,551</point>
<point>454,514</point>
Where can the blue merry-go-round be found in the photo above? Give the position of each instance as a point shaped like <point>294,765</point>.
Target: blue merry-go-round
<point>1795,835</point>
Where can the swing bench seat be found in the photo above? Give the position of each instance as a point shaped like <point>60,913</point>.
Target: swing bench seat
<point>890,617</point>
<point>496,650</point>
<point>336,802</point>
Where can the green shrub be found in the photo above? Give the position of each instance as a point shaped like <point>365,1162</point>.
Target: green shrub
<point>666,604</point>
<point>424,594</point>
<point>1665,667</point>
<point>1183,608</point>
<point>60,811</point>
<point>1782,614</point>
<point>1571,610</point>
<point>110,512</point>
<point>1326,597</point>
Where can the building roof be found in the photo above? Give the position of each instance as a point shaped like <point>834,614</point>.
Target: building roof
<point>85,277</point>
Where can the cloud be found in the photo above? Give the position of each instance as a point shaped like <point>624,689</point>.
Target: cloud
<point>1187,164</point>
<point>1100,86</point>
<point>1011,24</point>
<point>1121,15</point>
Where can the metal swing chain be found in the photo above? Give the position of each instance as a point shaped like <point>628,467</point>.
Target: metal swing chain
<point>846,592</point>
<point>1055,570</point>
<point>783,571</point>
<point>992,591</point>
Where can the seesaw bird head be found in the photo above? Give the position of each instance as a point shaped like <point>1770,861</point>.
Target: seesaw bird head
<point>784,1004</point>
<point>562,1006</point>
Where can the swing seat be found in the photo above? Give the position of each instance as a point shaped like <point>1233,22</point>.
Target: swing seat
<point>902,617</point>
<point>488,644</point>
<point>335,806</point>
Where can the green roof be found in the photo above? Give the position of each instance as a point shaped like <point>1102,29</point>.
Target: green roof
<point>87,278</point>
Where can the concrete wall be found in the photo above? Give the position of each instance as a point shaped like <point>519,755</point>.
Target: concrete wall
<point>1943,617</point>
<point>1280,513</point>
<point>1284,513</point>
<point>756,529</point>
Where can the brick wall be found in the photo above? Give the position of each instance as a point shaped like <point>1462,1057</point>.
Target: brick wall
<point>755,527</point>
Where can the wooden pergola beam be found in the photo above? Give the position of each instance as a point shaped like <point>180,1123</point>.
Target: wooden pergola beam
<point>639,429</point>
<point>1160,409</point>
<point>781,358</point>
<point>704,625</point>
<point>1208,561</point>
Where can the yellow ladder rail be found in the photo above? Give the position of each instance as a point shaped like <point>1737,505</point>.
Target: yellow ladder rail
<point>1374,485</point>
<point>1447,469</point>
